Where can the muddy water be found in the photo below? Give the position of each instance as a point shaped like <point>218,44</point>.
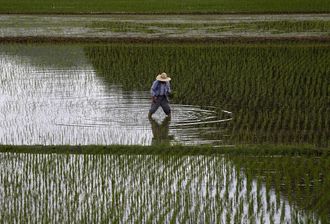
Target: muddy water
<point>50,188</point>
<point>51,95</point>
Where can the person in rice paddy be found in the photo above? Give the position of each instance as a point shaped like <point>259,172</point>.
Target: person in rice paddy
<point>160,91</point>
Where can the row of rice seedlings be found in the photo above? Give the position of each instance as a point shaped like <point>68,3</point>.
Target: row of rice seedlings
<point>169,6</point>
<point>278,93</point>
<point>302,180</point>
<point>133,189</point>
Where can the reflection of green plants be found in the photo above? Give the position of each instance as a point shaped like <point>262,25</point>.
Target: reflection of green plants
<point>278,93</point>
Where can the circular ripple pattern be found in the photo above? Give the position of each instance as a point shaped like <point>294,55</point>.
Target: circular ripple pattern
<point>61,100</point>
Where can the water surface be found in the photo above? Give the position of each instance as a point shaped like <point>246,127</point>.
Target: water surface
<point>51,95</point>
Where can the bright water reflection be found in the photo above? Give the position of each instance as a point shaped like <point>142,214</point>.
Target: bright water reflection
<point>50,95</point>
<point>50,188</point>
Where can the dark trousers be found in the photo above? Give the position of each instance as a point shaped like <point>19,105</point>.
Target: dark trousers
<point>160,101</point>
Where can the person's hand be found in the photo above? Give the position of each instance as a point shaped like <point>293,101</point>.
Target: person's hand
<point>154,98</point>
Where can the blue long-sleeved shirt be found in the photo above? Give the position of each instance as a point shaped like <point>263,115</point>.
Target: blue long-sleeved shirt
<point>159,88</point>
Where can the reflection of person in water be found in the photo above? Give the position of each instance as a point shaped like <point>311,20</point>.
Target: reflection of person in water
<point>160,132</point>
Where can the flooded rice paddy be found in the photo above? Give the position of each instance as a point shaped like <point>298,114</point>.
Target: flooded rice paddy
<point>278,92</point>
<point>51,95</point>
<point>82,94</point>
<point>223,94</point>
<point>66,188</point>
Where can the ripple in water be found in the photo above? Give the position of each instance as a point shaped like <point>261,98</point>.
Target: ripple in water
<point>45,101</point>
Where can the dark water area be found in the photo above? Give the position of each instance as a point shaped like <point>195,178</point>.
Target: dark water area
<point>53,95</point>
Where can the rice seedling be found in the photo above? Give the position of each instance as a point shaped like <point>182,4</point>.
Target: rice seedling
<point>103,187</point>
<point>277,92</point>
<point>295,180</point>
<point>170,6</point>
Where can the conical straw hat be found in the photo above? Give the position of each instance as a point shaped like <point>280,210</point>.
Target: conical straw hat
<point>163,77</point>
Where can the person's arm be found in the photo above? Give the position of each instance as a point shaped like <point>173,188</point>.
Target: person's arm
<point>154,88</point>
<point>168,88</point>
<point>153,91</point>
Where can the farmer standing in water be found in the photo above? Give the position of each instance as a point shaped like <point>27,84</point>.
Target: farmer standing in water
<point>160,90</point>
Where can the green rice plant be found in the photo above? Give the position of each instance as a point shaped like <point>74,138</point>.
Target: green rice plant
<point>277,92</point>
<point>169,6</point>
<point>297,181</point>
